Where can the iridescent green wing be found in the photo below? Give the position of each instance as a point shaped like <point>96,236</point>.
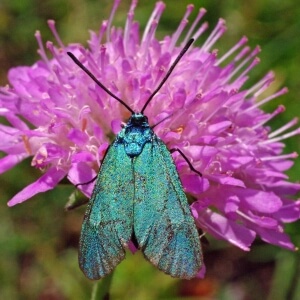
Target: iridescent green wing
<point>164,227</point>
<point>107,225</point>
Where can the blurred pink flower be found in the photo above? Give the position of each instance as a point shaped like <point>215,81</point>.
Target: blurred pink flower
<point>65,122</point>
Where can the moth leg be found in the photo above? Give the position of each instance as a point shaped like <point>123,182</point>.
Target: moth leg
<point>202,236</point>
<point>88,182</point>
<point>186,159</point>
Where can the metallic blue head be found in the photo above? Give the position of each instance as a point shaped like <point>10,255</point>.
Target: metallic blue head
<point>138,119</point>
<point>135,134</point>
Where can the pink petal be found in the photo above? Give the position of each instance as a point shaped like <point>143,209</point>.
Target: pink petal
<point>202,272</point>
<point>282,166</point>
<point>237,162</point>
<point>195,184</point>
<point>45,183</point>
<point>289,212</point>
<point>264,222</point>
<point>284,188</point>
<point>16,122</point>
<point>179,98</point>
<point>219,127</point>
<point>132,247</point>
<point>78,137</point>
<point>200,152</point>
<point>263,202</point>
<point>80,173</point>
<point>222,228</point>
<point>226,180</point>
<point>10,161</point>
<point>116,126</point>
<point>83,156</point>
<point>276,238</point>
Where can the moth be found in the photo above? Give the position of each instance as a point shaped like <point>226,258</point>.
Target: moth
<point>138,196</point>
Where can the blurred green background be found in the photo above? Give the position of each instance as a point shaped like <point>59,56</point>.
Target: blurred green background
<point>38,239</point>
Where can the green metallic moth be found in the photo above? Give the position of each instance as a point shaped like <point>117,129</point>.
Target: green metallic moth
<point>146,202</point>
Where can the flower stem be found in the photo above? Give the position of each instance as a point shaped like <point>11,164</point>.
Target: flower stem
<point>101,288</point>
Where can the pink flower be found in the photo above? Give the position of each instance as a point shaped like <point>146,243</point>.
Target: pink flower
<point>65,122</point>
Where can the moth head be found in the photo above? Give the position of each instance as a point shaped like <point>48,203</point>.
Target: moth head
<point>138,119</point>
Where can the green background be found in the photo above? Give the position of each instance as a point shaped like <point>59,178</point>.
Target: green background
<point>38,239</point>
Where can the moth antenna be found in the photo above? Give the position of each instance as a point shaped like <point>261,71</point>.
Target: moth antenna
<point>182,52</point>
<point>89,73</point>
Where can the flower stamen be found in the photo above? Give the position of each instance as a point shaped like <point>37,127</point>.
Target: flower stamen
<point>280,138</point>
<point>201,13</point>
<point>287,126</point>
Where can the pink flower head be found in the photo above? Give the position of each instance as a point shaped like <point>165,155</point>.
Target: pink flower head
<point>61,118</point>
